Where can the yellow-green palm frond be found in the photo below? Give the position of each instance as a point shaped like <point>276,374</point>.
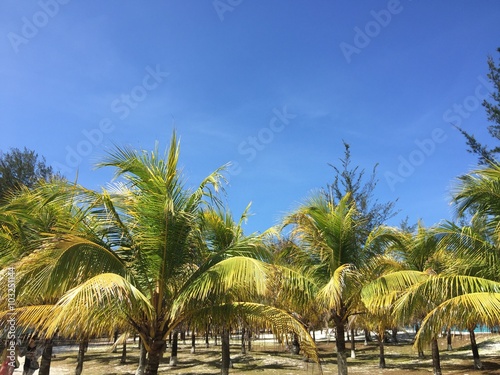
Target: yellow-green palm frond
<point>26,318</point>
<point>473,249</point>
<point>236,276</point>
<point>289,286</point>
<point>479,191</point>
<point>383,291</point>
<point>333,294</point>
<point>461,311</point>
<point>62,264</point>
<point>328,232</point>
<point>98,306</point>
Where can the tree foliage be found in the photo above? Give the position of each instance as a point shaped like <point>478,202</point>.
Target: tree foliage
<point>361,188</point>
<point>21,168</point>
<point>485,153</point>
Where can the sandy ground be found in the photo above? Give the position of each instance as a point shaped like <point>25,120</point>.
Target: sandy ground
<point>270,358</point>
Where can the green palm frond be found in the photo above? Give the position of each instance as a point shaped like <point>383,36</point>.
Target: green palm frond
<point>383,291</point>
<point>241,276</point>
<point>63,264</point>
<point>27,318</point>
<point>332,295</point>
<point>97,306</point>
<point>461,312</point>
<point>479,192</point>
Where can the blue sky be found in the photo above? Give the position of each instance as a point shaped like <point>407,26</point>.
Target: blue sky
<point>274,87</point>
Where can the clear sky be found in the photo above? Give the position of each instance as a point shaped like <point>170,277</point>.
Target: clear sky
<point>273,87</point>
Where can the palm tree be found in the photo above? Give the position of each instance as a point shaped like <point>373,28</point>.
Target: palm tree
<point>473,268</point>
<point>136,263</point>
<point>378,317</point>
<point>327,234</point>
<point>399,290</point>
<point>27,217</point>
<point>447,293</point>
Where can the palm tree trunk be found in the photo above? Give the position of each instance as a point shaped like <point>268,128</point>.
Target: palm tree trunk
<point>193,342</point>
<point>175,346</point>
<point>123,359</point>
<point>207,343</point>
<point>249,341</point>
<point>115,338</point>
<point>448,339</point>
<point>243,346</point>
<point>368,337</point>
<point>142,359</point>
<point>381,349</point>
<point>436,362</point>
<point>183,336</point>
<point>475,350</point>
<point>82,348</point>
<point>395,335</point>
<point>226,355</point>
<point>420,350</point>
<point>155,355</point>
<point>46,358</point>
<point>353,344</point>
<point>340,344</point>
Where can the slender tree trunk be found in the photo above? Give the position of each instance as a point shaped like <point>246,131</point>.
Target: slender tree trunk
<point>123,359</point>
<point>226,355</point>
<point>142,359</point>
<point>475,350</point>
<point>207,343</point>
<point>368,337</point>
<point>46,358</point>
<point>175,347</point>
<point>353,344</point>
<point>420,350</point>
<point>340,344</point>
<point>448,339</point>
<point>395,335</point>
<point>193,342</point>
<point>381,349</point>
<point>436,361</point>
<point>154,357</point>
<point>82,348</point>
<point>115,338</point>
<point>243,346</point>
<point>249,341</point>
<point>183,336</point>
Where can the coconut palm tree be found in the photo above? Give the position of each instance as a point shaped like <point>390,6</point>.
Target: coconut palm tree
<point>473,268</point>
<point>420,258</point>
<point>28,217</point>
<point>326,233</point>
<point>137,263</point>
<point>450,289</point>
